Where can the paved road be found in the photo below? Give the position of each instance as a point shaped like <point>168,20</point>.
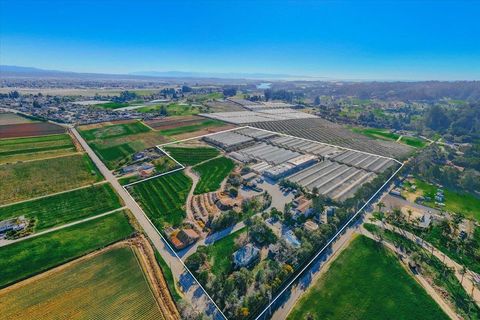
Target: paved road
<point>7,242</point>
<point>193,293</point>
<point>392,202</point>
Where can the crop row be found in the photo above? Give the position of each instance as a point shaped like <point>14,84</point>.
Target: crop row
<point>191,156</point>
<point>212,173</point>
<point>66,207</point>
<point>163,198</point>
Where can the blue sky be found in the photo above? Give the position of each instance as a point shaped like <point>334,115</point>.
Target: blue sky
<point>405,40</point>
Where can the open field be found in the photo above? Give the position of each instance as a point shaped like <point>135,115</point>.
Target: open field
<point>321,130</point>
<point>26,258</point>
<point>22,149</point>
<point>191,128</point>
<point>191,156</point>
<point>173,122</point>
<point>366,282</point>
<point>463,203</point>
<point>109,285</point>
<point>27,180</point>
<point>12,118</point>
<point>29,129</point>
<point>116,143</point>
<point>212,173</point>
<point>114,131</point>
<point>112,105</point>
<point>66,207</point>
<point>163,198</point>
<point>385,134</point>
<point>173,109</point>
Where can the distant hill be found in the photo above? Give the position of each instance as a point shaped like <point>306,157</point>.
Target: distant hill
<point>20,71</point>
<point>260,76</point>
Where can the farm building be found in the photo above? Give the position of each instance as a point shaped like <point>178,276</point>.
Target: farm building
<point>332,179</point>
<point>184,238</point>
<point>15,224</point>
<point>229,141</point>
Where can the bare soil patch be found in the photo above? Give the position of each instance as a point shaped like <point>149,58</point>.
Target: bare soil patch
<point>29,129</point>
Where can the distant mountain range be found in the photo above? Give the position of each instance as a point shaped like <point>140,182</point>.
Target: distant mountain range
<point>20,71</point>
<point>232,75</point>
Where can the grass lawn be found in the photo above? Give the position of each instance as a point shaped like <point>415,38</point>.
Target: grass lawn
<point>191,156</point>
<point>26,258</point>
<point>464,203</point>
<point>163,198</point>
<point>111,285</point>
<point>366,282</point>
<point>21,149</point>
<point>414,142</point>
<point>63,208</point>
<point>192,128</point>
<point>21,181</point>
<point>220,253</point>
<point>114,131</point>
<point>212,173</point>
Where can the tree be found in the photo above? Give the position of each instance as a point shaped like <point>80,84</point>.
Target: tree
<point>316,101</point>
<point>229,91</point>
<point>380,205</point>
<point>436,118</point>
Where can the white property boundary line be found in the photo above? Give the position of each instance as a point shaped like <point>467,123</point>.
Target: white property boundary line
<point>175,253</point>
<point>311,260</point>
<point>328,243</point>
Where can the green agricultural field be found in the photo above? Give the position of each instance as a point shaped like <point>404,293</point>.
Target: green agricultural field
<point>377,133</point>
<point>384,134</point>
<point>110,285</point>
<point>115,144</point>
<point>66,207</point>
<point>212,173</point>
<point>463,203</point>
<point>21,149</point>
<point>191,156</point>
<point>366,282</point>
<point>413,142</point>
<point>26,258</point>
<point>172,109</point>
<point>115,156</point>
<point>163,198</point>
<point>112,105</point>
<point>21,181</point>
<point>192,128</point>
<point>114,131</point>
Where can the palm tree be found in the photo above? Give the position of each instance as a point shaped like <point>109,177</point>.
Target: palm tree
<point>462,272</point>
<point>380,206</point>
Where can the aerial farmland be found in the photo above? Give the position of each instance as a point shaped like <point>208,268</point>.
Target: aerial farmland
<point>59,219</point>
<point>248,178</point>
